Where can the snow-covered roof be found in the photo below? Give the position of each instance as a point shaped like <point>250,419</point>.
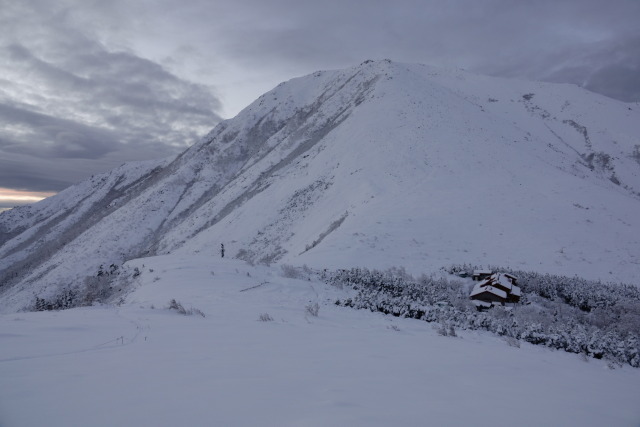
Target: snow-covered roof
<point>477,290</point>
<point>503,280</point>
<point>498,284</point>
<point>484,282</point>
<point>478,272</point>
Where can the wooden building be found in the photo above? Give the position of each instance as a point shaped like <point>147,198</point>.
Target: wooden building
<point>479,275</point>
<point>496,289</point>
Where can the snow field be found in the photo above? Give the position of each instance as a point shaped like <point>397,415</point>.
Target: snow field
<point>134,365</point>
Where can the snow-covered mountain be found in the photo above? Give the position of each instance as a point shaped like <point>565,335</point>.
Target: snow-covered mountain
<point>379,165</point>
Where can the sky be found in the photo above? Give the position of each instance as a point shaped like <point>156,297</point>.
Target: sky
<point>86,85</point>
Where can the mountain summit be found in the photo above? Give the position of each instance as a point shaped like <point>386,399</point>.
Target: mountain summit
<point>379,165</point>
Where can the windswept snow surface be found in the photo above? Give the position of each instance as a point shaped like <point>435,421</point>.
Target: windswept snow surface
<point>383,164</point>
<point>140,364</point>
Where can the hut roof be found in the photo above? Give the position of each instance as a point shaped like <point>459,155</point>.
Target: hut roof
<point>477,290</point>
<point>478,272</point>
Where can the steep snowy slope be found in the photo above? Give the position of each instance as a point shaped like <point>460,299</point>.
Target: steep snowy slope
<point>433,168</point>
<point>381,164</point>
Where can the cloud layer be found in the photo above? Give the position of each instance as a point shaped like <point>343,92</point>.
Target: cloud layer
<point>592,43</point>
<point>87,85</point>
<point>69,102</point>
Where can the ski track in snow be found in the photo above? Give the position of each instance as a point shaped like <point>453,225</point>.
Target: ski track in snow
<point>122,340</point>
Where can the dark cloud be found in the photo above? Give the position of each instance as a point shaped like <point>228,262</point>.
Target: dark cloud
<point>612,69</point>
<point>66,97</point>
<point>25,171</point>
<point>99,82</point>
<point>592,43</point>
<point>104,89</point>
<point>41,135</point>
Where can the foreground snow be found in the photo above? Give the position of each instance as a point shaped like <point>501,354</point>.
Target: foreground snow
<point>140,364</point>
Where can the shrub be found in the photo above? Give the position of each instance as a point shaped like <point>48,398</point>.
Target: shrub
<point>265,317</point>
<point>598,319</point>
<point>64,300</point>
<point>512,342</point>
<point>313,309</point>
<point>446,330</point>
<point>290,271</point>
<point>175,305</point>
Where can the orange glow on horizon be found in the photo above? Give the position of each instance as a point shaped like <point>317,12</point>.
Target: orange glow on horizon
<point>8,195</point>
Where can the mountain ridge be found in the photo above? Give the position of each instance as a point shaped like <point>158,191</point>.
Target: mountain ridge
<point>381,164</point>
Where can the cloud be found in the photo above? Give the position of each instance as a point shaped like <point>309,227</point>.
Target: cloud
<point>127,96</point>
<point>10,198</point>
<point>65,96</point>
<point>88,84</point>
<point>612,69</point>
<point>39,173</point>
<point>587,42</point>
